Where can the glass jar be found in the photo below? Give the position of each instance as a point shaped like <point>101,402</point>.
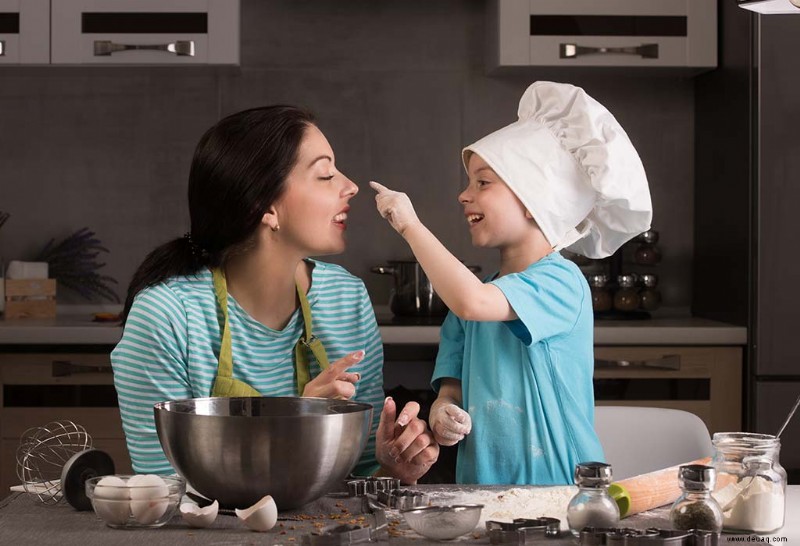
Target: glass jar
<point>751,483</point>
<point>626,298</point>
<point>592,506</point>
<point>696,508</point>
<point>647,253</point>
<point>649,296</point>
<point>601,294</point>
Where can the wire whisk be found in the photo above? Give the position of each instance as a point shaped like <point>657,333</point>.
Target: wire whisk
<point>43,452</point>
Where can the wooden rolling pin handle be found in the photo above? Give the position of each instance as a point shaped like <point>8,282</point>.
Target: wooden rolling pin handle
<point>651,490</point>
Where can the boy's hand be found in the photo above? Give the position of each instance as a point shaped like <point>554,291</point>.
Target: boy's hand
<point>449,423</point>
<point>395,206</point>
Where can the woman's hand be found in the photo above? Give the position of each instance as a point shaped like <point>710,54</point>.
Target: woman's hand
<point>449,423</point>
<point>395,207</point>
<point>335,381</point>
<point>405,448</point>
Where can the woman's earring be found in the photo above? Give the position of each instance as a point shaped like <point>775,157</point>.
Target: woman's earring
<point>276,227</point>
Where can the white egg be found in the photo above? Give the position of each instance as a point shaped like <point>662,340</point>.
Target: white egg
<point>149,497</point>
<point>195,516</point>
<point>111,500</point>
<point>262,516</point>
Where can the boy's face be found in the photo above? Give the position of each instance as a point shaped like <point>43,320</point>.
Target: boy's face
<point>495,215</point>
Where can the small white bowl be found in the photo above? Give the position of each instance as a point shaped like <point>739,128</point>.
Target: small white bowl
<point>443,522</point>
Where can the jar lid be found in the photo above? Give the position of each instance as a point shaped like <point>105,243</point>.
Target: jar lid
<point>648,237</point>
<point>649,280</point>
<point>697,477</point>
<point>626,281</point>
<point>597,281</point>
<point>592,474</point>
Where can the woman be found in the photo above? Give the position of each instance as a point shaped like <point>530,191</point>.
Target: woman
<point>222,311</point>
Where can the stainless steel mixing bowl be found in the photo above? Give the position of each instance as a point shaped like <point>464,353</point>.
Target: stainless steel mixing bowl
<point>236,450</point>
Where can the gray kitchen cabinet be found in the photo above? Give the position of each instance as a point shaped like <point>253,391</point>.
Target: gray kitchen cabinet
<point>39,388</point>
<point>24,32</point>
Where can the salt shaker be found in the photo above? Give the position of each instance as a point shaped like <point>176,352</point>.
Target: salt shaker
<point>696,508</point>
<point>592,506</point>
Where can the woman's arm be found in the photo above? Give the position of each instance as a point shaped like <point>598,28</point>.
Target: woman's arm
<point>150,366</point>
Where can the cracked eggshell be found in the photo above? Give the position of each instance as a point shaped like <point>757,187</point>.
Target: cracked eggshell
<point>149,497</point>
<point>111,500</point>
<point>262,516</point>
<point>198,517</point>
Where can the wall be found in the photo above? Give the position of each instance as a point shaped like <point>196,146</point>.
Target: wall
<point>398,86</point>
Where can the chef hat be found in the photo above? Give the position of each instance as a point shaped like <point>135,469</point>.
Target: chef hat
<point>573,167</point>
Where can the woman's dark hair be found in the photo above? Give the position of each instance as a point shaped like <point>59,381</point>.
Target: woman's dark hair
<point>238,171</point>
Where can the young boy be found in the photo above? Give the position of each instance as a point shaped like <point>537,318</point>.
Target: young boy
<point>515,363</point>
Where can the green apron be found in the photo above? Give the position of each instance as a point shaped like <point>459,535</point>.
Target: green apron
<point>226,385</point>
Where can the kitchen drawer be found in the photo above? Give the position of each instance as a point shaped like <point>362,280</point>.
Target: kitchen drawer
<point>38,388</point>
<point>152,32</point>
<point>707,381</point>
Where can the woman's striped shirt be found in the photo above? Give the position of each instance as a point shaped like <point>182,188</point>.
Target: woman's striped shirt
<point>170,349</point>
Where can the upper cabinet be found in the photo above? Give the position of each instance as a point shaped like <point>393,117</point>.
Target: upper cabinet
<point>629,33</point>
<point>24,31</point>
<point>120,32</point>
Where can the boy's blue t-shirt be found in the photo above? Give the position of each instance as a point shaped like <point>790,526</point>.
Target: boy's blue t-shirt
<point>527,383</point>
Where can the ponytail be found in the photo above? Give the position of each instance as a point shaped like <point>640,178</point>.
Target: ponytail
<point>178,257</point>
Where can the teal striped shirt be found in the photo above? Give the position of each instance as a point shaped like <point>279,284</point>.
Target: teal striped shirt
<point>170,349</point>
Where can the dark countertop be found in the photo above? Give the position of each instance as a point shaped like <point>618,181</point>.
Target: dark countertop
<point>23,520</point>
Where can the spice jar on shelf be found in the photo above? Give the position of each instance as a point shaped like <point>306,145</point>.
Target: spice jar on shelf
<point>696,508</point>
<point>592,506</point>
<point>647,253</point>
<point>626,298</point>
<point>649,295</point>
<point>751,483</point>
<point>601,293</point>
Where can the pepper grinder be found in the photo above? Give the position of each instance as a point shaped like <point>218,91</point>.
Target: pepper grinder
<point>592,506</point>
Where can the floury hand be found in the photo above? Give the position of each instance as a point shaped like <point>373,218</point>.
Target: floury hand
<point>449,423</point>
<point>395,206</point>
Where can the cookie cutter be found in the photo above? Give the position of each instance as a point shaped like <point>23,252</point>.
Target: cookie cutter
<point>372,485</point>
<point>402,499</point>
<point>598,536</point>
<point>341,535</point>
<point>520,530</point>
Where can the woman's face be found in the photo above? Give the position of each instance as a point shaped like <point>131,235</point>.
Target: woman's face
<point>312,213</point>
<point>496,217</point>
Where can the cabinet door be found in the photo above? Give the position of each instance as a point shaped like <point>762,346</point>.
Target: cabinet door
<point>37,389</point>
<point>24,31</point>
<point>145,32</point>
<point>773,402</point>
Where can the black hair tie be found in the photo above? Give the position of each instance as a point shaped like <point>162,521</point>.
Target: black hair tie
<point>198,252</point>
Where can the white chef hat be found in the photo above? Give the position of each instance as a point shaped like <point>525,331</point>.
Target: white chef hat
<point>573,167</point>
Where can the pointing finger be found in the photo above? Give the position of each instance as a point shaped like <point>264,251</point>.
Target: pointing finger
<point>380,188</point>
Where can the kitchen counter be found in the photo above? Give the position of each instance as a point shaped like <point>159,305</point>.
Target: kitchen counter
<point>26,521</point>
<point>74,326</point>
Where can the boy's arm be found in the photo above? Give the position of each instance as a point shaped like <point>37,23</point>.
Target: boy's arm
<point>462,292</point>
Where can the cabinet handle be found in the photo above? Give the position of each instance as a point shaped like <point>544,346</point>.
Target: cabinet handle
<point>2,48</point>
<point>571,51</point>
<point>65,368</point>
<point>668,362</point>
<point>183,48</point>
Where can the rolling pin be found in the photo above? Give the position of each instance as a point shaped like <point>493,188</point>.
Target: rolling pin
<point>648,491</point>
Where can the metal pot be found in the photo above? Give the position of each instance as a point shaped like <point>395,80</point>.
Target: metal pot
<point>413,295</point>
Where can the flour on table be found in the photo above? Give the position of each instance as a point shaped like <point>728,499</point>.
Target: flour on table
<point>515,502</point>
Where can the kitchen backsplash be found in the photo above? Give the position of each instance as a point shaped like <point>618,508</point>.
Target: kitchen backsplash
<point>399,87</point>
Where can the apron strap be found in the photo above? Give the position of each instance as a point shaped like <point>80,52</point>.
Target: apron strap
<point>310,341</point>
<point>225,385</point>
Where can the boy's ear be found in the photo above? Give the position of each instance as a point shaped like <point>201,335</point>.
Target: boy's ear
<point>528,214</point>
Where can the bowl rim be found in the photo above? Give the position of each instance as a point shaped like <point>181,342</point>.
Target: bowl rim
<point>353,406</point>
